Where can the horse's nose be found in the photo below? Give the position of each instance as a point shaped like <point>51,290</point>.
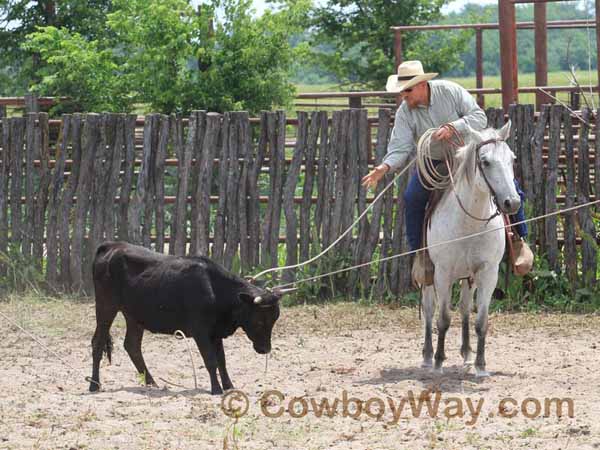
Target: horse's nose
<point>512,204</point>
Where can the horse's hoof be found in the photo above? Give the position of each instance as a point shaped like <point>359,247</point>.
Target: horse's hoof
<point>479,373</point>
<point>438,371</point>
<point>426,365</point>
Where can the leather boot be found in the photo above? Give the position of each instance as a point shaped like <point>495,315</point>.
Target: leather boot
<point>422,269</point>
<point>523,257</point>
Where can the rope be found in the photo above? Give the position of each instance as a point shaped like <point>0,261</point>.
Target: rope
<point>314,258</point>
<point>430,177</point>
<point>184,337</point>
<point>479,233</point>
<point>44,347</point>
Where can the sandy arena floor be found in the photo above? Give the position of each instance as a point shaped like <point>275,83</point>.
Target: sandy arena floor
<point>364,362</point>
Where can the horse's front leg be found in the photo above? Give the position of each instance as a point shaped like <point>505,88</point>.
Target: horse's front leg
<point>466,301</point>
<point>428,302</point>
<point>486,282</point>
<point>443,293</point>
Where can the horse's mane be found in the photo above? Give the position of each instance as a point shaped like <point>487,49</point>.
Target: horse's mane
<point>466,155</point>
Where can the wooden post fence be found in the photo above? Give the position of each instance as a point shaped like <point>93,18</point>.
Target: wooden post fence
<point>250,195</point>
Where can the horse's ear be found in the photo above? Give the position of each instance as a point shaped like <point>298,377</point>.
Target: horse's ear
<point>504,132</point>
<point>472,136</point>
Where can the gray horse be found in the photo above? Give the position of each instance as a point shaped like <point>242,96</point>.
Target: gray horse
<point>483,183</point>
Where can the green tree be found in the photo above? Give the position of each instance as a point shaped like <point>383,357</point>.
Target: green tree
<point>172,58</point>
<point>18,18</point>
<point>363,43</point>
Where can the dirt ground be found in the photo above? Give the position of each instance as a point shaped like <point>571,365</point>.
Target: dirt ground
<point>340,354</point>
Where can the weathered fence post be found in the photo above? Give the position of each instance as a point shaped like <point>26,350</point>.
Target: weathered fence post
<point>159,181</point>
<point>220,217</point>
<point>184,157</point>
<point>570,247</point>
<point>116,153</point>
<point>32,143</point>
<point>306,235</point>
<point>256,162</point>
<point>550,185</point>
<point>127,180</point>
<point>291,221</point>
<point>195,179</point>
<point>65,238</point>
<point>232,236</point>
<point>91,141</point>
<point>276,140</point>
<point>205,176</point>
<point>4,199</point>
<point>537,165</point>
<point>373,228</point>
<point>586,224</point>
<point>244,150</point>
<point>41,194</point>
<point>54,202</point>
<point>17,131</point>
<point>322,177</point>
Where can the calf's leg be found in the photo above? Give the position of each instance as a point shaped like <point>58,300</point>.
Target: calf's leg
<point>209,355</point>
<point>221,364</point>
<point>101,341</point>
<point>133,346</point>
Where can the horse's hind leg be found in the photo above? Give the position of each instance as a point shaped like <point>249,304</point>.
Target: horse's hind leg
<point>486,283</point>
<point>428,299</point>
<point>443,294</point>
<point>466,301</point>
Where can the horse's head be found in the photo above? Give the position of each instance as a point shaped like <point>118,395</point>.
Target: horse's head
<point>491,160</point>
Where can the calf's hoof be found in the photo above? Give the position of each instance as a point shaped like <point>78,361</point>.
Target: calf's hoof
<point>94,385</point>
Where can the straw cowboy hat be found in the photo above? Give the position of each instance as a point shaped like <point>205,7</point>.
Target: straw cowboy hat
<point>409,74</point>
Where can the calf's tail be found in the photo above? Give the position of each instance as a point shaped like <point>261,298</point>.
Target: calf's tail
<point>108,348</point>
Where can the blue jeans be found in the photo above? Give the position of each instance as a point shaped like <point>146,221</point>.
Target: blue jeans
<point>415,202</point>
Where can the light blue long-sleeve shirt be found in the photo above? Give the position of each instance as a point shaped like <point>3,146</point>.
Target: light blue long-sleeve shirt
<point>449,103</point>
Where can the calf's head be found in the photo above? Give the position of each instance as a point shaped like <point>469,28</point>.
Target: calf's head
<point>261,311</point>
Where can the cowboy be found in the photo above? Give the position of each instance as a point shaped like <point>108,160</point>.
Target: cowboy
<point>431,104</point>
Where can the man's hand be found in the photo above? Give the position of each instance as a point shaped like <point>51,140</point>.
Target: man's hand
<point>375,175</point>
<point>443,134</point>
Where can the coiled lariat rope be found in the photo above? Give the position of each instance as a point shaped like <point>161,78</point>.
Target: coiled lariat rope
<point>430,178</point>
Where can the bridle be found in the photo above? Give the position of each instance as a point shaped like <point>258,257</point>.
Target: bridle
<point>479,165</point>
